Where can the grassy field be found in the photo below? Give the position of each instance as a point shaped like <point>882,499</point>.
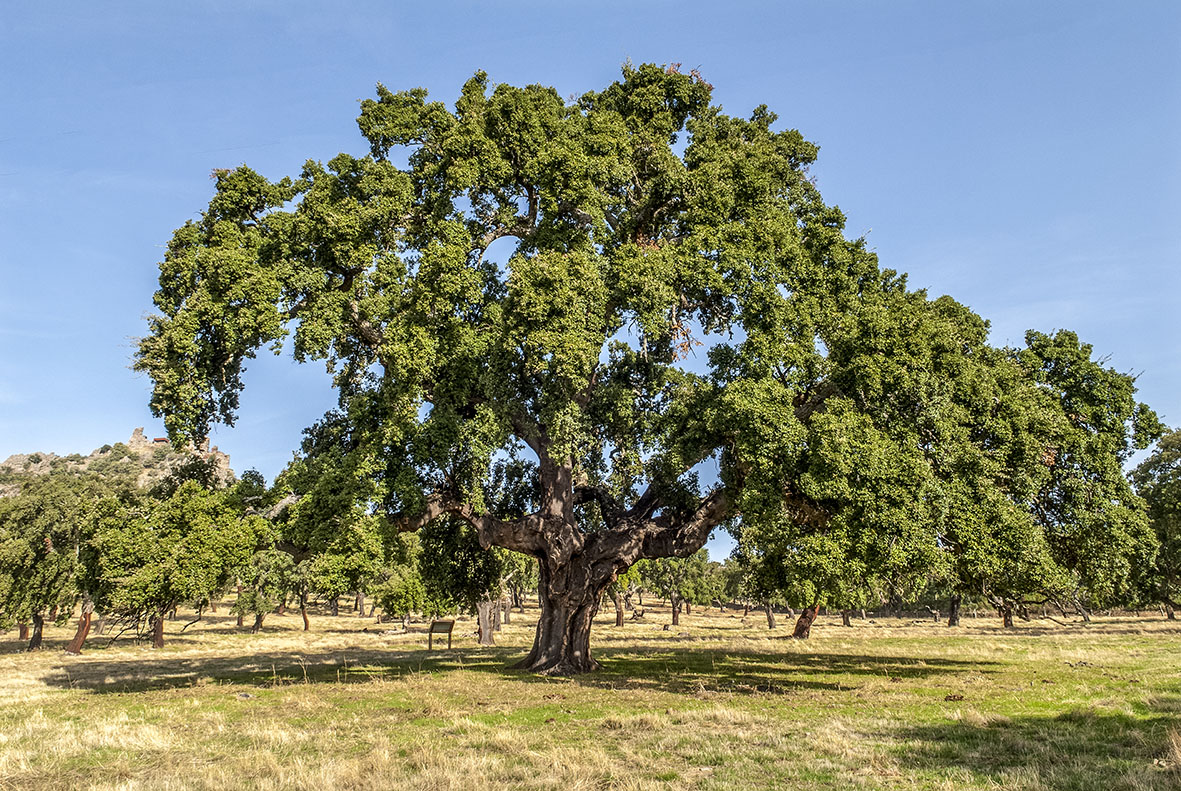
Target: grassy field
<point>713,704</point>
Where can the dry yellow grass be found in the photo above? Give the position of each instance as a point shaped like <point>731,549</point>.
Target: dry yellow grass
<point>712,704</point>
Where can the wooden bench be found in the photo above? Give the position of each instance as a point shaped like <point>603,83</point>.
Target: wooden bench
<point>439,627</point>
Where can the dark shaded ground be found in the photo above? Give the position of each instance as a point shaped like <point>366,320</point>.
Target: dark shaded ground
<point>685,669</point>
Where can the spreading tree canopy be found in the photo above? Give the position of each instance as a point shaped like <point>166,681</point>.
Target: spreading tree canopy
<point>639,304</point>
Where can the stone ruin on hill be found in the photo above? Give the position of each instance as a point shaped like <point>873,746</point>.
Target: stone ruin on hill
<point>148,460</point>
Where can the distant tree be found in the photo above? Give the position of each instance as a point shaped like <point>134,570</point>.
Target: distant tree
<point>266,580</point>
<point>43,529</point>
<point>1038,508</point>
<point>154,555</point>
<point>763,576</point>
<point>1158,481</point>
<point>623,587</point>
<point>520,576</point>
<point>454,566</point>
<point>679,580</point>
<point>729,574</point>
<point>401,592</point>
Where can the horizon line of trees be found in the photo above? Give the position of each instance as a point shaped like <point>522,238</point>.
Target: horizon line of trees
<point>132,556</point>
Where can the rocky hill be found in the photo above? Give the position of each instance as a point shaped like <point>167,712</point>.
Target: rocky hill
<point>143,460</point>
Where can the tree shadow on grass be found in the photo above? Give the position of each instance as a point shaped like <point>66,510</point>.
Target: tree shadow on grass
<point>265,668</point>
<point>1089,748</point>
<point>677,671</point>
<point>684,670</point>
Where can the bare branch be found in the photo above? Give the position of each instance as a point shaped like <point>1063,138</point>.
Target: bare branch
<point>806,405</point>
<point>668,537</point>
<point>609,507</point>
<point>522,535</point>
<point>367,331</point>
<point>436,506</point>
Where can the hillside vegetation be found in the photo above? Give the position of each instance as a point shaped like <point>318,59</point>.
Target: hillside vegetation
<point>140,461</point>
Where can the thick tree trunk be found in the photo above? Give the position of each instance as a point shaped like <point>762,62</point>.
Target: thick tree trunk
<point>75,646</point>
<point>953,611</point>
<point>38,627</point>
<point>569,597</point>
<point>282,608</point>
<point>846,617</point>
<point>22,631</point>
<point>494,606</point>
<point>158,630</point>
<point>507,604</point>
<point>484,620</point>
<point>618,601</point>
<point>688,609</point>
<point>1169,613</point>
<point>359,604</point>
<point>804,623</point>
<point>1007,615</point>
<point>372,609</point>
<point>676,613</point>
<point>334,607</point>
<point>254,629</point>
<point>770,611</point>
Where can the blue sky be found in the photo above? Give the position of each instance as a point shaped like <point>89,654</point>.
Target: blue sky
<point>1022,157</point>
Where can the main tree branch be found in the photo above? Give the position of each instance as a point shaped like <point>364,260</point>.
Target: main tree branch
<point>670,536</point>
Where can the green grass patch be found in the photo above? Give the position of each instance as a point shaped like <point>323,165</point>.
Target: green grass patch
<point>721,704</point>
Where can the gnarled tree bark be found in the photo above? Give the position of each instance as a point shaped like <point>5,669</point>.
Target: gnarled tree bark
<point>484,623</point>
<point>804,623</point>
